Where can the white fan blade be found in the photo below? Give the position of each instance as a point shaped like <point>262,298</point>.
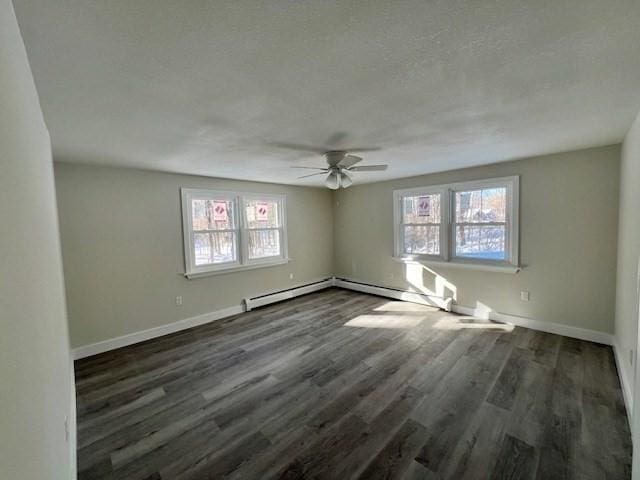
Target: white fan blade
<point>312,174</point>
<point>369,168</point>
<point>349,160</point>
<point>312,168</point>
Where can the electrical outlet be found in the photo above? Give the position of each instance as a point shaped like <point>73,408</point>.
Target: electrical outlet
<point>179,300</point>
<point>66,429</point>
<point>524,296</point>
<point>291,276</point>
<point>631,356</point>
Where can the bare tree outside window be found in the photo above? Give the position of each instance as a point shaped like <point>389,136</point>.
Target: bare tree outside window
<point>421,224</point>
<point>263,225</point>
<point>480,223</point>
<point>214,231</point>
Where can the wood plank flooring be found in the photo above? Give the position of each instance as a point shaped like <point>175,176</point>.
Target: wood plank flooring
<point>342,385</point>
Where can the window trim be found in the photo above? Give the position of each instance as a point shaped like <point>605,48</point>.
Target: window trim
<point>447,234</point>
<point>243,261</point>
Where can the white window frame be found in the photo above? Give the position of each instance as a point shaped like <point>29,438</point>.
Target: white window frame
<point>448,224</point>
<point>243,262</point>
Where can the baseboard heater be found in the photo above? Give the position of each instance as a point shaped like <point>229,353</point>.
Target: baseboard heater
<point>444,303</point>
<point>280,295</point>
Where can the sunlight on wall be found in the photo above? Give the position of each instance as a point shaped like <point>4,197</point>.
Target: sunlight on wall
<point>482,310</point>
<point>415,272</point>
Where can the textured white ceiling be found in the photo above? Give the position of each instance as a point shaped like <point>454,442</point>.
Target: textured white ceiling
<point>206,87</point>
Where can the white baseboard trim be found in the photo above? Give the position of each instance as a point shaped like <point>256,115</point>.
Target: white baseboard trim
<point>625,379</point>
<point>556,328</point>
<point>414,297</point>
<point>137,337</point>
<point>280,295</point>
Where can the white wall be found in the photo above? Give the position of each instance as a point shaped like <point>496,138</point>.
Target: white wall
<point>568,223</point>
<point>123,250</point>
<point>35,370</point>
<point>628,280</point>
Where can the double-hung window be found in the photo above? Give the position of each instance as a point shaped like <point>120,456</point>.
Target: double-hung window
<point>470,223</point>
<point>226,231</point>
<point>421,223</point>
<point>263,226</point>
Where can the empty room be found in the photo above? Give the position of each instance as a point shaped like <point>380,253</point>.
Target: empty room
<point>337,240</point>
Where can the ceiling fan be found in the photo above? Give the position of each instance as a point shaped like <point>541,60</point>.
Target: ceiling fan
<point>340,164</point>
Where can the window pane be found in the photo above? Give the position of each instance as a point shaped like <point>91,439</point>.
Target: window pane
<point>422,240</point>
<point>421,209</point>
<point>486,242</point>
<point>481,206</point>
<point>262,213</point>
<point>214,247</point>
<point>264,243</point>
<point>212,214</point>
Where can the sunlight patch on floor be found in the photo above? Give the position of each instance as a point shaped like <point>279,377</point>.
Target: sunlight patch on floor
<point>463,323</point>
<point>384,321</point>
<point>405,307</point>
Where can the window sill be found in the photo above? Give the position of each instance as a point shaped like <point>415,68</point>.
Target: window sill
<point>461,265</point>
<point>241,268</point>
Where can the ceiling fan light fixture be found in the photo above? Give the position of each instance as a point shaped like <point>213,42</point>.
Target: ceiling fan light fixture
<point>333,181</point>
<point>346,180</point>
<point>341,164</point>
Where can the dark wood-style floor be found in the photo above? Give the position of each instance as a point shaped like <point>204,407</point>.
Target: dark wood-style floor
<point>343,385</point>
